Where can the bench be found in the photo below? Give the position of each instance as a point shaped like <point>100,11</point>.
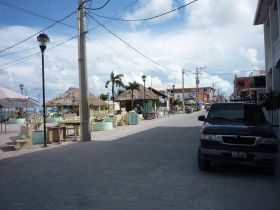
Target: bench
<point>24,138</point>
<point>118,120</point>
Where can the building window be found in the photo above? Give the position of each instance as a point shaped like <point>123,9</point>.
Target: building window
<point>240,83</point>
<point>205,89</point>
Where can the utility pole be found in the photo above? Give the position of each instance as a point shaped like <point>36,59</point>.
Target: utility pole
<point>83,78</point>
<point>213,86</point>
<point>197,72</point>
<point>183,90</point>
<point>152,80</point>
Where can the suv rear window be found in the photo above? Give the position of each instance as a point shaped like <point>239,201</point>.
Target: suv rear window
<point>236,112</point>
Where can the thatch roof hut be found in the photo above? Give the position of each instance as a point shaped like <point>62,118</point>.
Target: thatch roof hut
<point>125,99</point>
<point>137,95</point>
<point>72,98</point>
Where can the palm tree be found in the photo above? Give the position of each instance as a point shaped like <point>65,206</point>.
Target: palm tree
<point>120,91</point>
<point>104,97</point>
<point>132,86</point>
<point>116,80</point>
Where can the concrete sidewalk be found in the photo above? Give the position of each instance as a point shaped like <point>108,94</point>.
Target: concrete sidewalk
<point>7,145</point>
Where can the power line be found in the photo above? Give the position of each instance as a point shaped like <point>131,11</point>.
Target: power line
<point>42,16</point>
<point>17,61</point>
<point>19,51</point>
<point>230,73</point>
<point>108,21</point>
<point>28,57</point>
<point>25,50</point>
<point>145,19</point>
<point>99,7</point>
<point>153,61</point>
<point>21,60</point>
<point>33,13</point>
<point>56,22</point>
<point>37,32</point>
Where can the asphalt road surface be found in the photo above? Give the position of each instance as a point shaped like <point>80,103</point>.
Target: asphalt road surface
<point>152,169</point>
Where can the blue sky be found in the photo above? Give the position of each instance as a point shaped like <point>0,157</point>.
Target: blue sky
<point>217,34</point>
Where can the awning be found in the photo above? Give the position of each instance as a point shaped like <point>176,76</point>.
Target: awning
<point>10,99</point>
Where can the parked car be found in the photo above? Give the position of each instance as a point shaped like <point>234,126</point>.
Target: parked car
<point>207,107</point>
<point>237,132</point>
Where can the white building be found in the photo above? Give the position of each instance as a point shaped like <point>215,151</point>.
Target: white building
<point>268,14</point>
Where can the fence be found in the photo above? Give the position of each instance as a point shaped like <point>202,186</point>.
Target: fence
<point>273,116</point>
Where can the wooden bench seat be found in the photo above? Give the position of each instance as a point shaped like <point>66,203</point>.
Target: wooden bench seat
<point>24,138</point>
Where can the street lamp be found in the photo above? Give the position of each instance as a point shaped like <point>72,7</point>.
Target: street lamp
<point>21,88</point>
<point>144,104</point>
<point>108,101</point>
<point>43,39</point>
<point>173,86</point>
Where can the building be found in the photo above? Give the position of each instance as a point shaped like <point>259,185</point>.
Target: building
<point>268,14</point>
<point>136,101</point>
<point>205,94</point>
<point>251,88</point>
<point>240,83</point>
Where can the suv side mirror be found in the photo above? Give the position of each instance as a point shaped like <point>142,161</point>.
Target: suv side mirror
<point>201,118</point>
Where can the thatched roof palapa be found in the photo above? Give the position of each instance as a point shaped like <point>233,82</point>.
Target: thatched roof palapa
<point>72,98</point>
<point>137,95</point>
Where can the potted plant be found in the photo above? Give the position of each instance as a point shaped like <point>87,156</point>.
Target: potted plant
<point>59,124</point>
<point>37,135</point>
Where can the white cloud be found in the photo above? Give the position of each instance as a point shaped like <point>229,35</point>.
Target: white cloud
<point>218,34</point>
<point>250,54</point>
<point>152,8</point>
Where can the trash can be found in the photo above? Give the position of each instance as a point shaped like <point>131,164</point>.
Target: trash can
<point>133,118</point>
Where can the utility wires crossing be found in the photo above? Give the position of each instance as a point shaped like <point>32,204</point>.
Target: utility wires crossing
<point>145,19</point>
<point>130,46</point>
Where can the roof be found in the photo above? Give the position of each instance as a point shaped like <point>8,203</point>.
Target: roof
<point>72,97</point>
<point>10,94</point>
<point>262,11</point>
<point>158,93</point>
<point>137,95</point>
<point>10,98</point>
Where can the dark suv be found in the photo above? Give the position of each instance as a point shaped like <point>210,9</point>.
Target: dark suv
<point>238,132</point>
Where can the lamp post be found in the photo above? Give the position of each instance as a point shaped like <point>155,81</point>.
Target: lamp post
<point>43,39</point>
<point>144,104</point>
<point>21,88</point>
<point>108,101</point>
<point>173,86</point>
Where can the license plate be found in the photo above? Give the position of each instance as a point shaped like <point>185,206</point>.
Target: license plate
<point>236,154</point>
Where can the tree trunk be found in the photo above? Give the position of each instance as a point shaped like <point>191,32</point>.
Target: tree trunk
<point>113,95</point>
<point>132,100</point>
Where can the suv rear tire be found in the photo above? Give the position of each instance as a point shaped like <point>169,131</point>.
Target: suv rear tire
<point>203,164</point>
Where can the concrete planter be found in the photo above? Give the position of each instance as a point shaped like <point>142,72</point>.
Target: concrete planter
<point>102,126</point>
<point>53,120</point>
<point>160,114</point>
<point>17,121</point>
<point>38,137</point>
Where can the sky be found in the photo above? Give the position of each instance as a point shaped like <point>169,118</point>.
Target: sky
<point>216,34</point>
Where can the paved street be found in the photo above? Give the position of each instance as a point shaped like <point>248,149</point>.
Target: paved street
<point>151,169</point>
